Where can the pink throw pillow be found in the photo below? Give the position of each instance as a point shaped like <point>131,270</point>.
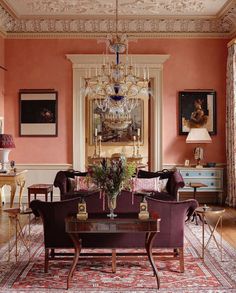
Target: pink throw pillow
<point>161,185</point>
<point>83,183</point>
<point>145,184</point>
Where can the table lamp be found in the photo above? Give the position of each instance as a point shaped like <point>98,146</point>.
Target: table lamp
<point>6,144</point>
<point>198,135</point>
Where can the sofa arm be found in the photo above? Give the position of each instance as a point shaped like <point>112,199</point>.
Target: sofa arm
<point>175,182</point>
<point>60,181</point>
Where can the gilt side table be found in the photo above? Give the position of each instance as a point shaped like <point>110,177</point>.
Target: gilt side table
<point>13,179</point>
<point>21,233</point>
<point>205,213</point>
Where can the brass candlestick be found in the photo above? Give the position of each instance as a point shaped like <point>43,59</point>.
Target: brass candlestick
<point>134,139</point>
<point>96,145</point>
<point>138,146</point>
<point>99,145</point>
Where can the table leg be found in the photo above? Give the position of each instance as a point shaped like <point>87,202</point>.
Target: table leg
<point>203,236</point>
<point>78,247</point>
<point>13,192</point>
<point>212,231</point>
<point>51,195</point>
<point>29,197</point>
<point>148,245</point>
<point>16,231</point>
<point>46,196</point>
<point>221,238</point>
<point>0,197</point>
<point>22,185</point>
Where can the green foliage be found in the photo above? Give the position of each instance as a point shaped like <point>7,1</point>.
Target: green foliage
<point>112,176</point>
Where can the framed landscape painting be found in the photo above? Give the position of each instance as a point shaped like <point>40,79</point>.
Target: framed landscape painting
<point>197,109</point>
<point>38,113</point>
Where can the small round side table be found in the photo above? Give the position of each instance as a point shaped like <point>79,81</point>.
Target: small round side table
<point>196,185</point>
<point>204,212</point>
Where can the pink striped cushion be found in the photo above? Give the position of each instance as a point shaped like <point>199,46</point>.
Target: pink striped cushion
<point>145,184</point>
<point>83,183</point>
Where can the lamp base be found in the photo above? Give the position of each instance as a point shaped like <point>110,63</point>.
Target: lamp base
<point>199,166</point>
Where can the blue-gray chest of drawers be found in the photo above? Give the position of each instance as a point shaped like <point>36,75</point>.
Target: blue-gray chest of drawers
<point>212,177</point>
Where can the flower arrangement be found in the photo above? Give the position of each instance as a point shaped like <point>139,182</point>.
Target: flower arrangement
<point>112,176</point>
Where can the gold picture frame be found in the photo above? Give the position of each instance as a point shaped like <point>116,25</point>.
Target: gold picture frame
<point>115,137</point>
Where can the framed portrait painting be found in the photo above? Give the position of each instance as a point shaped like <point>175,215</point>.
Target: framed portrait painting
<point>197,109</point>
<point>38,113</point>
<point>111,136</point>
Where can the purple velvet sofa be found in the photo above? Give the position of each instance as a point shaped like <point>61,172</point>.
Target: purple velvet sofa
<point>173,215</point>
<point>64,180</point>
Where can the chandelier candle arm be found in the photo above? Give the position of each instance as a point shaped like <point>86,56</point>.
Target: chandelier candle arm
<point>99,146</point>
<point>116,86</point>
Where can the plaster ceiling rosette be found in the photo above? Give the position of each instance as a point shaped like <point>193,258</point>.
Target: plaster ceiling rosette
<point>140,17</point>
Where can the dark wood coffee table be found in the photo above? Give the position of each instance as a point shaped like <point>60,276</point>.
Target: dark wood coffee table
<point>124,223</point>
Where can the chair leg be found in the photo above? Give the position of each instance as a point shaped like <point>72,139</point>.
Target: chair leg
<point>176,252</point>
<point>181,260</point>
<point>46,260</point>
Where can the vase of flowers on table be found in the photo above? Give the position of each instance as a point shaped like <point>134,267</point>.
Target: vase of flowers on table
<point>111,176</point>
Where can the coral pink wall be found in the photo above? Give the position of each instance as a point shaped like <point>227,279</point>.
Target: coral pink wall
<point>2,74</point>
<point>193,64</point>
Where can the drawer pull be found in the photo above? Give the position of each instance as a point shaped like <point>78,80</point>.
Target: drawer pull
<point>200,174</point>
<point>212,184</point>
<point>187,174</point>
<point>212,174</point>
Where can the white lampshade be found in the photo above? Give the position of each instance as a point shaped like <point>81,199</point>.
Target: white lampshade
<point>198,135</point>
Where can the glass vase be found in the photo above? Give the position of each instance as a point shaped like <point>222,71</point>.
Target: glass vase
<point>111,202</point>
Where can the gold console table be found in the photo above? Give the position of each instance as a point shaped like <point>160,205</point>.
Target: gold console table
<point>13,179</point>
<point>136,160</point>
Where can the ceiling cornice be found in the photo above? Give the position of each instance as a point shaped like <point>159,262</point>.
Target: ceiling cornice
<point>223,26</point>
<point>133,35</point>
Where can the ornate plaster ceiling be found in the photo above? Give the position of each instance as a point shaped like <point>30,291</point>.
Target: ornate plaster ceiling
<point>209,17</point>
<point>70,8</point>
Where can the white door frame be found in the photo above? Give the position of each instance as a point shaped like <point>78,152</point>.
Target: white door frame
<point>80,65</point>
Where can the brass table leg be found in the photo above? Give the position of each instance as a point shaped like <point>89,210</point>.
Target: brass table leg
<point>212,236</point>
<point>20,235</point>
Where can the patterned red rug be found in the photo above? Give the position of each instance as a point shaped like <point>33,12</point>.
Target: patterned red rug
<point>133,274</point>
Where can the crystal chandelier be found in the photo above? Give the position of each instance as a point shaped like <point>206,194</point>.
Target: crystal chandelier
<point>116,85</point>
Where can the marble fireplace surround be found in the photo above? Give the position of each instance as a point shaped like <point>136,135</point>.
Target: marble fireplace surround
<point>81,63</point>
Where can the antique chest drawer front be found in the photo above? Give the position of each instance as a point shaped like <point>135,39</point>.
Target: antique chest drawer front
<point>201,173</point>
<point>212,184</point>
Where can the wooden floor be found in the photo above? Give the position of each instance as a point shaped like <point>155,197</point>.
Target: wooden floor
<point>229,225</point>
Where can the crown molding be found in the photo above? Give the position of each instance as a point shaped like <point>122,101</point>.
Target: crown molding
<point>158,26</point>
<point>225,8</point>
<point>103,35</point>
<point>231,42</point>
<point>3,34</point>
